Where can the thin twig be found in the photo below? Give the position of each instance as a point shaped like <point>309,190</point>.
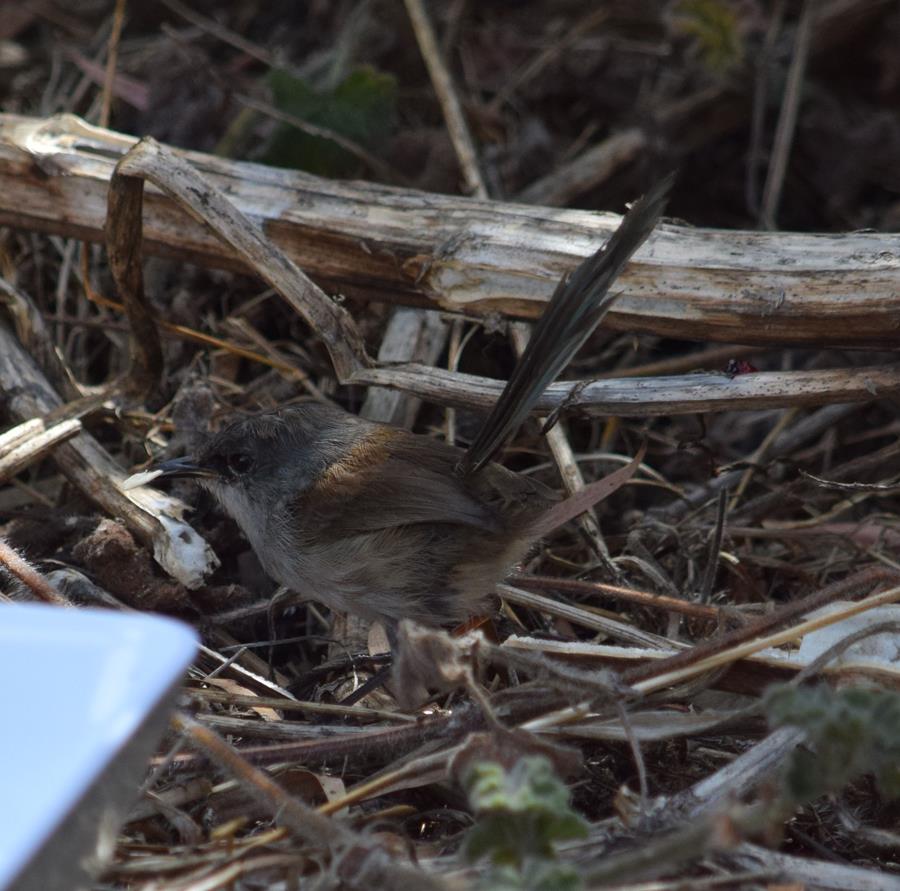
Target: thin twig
<point>446,93</point>
<point>776,639</point>
<point>760,84</point>
<point>274,702</point>
<point>573,479</point>
<point>586,171</point>
<point>629,595</point>
<point>15,436</point>
<point>29,576</point>
<point>112,58</point>
<point>787,119</point>
<point>760,454</point>
<point>635,745</point>
<point>866,579</point>
<point>124,236</point>
<point>715,546</point>
<point>373,869</point>
<point>225,35</point>
<point>552,51</point>
<point>583,617</point>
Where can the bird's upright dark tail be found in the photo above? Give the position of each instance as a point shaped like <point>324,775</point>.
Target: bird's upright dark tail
<point>576,308</point>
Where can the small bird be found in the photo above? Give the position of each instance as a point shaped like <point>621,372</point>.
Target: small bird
<point>389,524</point>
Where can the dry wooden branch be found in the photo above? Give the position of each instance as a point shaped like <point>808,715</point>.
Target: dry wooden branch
<point>776,639</point>
<point>470,255</point>
<point>809,872</point>
<point>148,160</point>
<point>26,394</point>
<point>411,335</point>
<point>687,394</point>
<point>865,579</point>
<point>676,395</point>
<point>616,630</point>
<point>588,170</point>
<point>123,247</point>
<point>36,446</point>
<point>31,329</point>
<point>14,437</point>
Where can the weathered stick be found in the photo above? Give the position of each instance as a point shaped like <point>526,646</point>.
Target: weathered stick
<point>206,203</point>
<point>474,256</point>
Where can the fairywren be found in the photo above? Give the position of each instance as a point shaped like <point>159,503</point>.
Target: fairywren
<point>389,524</point>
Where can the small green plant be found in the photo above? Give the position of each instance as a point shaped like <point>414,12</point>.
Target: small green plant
<point>715,30</point>
<point>521,815</point>
<point>850,732</point>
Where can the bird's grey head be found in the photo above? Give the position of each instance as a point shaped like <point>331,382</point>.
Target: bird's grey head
<point>258,462</point>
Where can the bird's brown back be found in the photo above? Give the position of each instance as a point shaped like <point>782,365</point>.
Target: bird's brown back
<point>390,528</point>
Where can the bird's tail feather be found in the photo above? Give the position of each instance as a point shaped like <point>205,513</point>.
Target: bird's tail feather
<point>587,497</point>
<point>576,308</point>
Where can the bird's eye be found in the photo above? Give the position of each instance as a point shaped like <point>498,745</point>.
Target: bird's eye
<point>239,462</point>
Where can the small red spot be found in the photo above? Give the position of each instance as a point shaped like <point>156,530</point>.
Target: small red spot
<point>739,366</point>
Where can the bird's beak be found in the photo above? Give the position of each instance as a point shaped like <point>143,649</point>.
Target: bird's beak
<point>184,467</point>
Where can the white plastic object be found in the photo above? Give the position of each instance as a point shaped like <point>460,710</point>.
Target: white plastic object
<point>84,696</point>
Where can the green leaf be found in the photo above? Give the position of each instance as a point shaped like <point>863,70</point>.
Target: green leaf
<point>713,26</point>
<point>851,732</point>
<point>361,108</point>
<point>521,813</point>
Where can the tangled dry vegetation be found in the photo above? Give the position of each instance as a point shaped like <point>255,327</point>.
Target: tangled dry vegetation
<point>665,690</point>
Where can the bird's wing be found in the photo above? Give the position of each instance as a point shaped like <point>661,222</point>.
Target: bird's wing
<point>399,481</point>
